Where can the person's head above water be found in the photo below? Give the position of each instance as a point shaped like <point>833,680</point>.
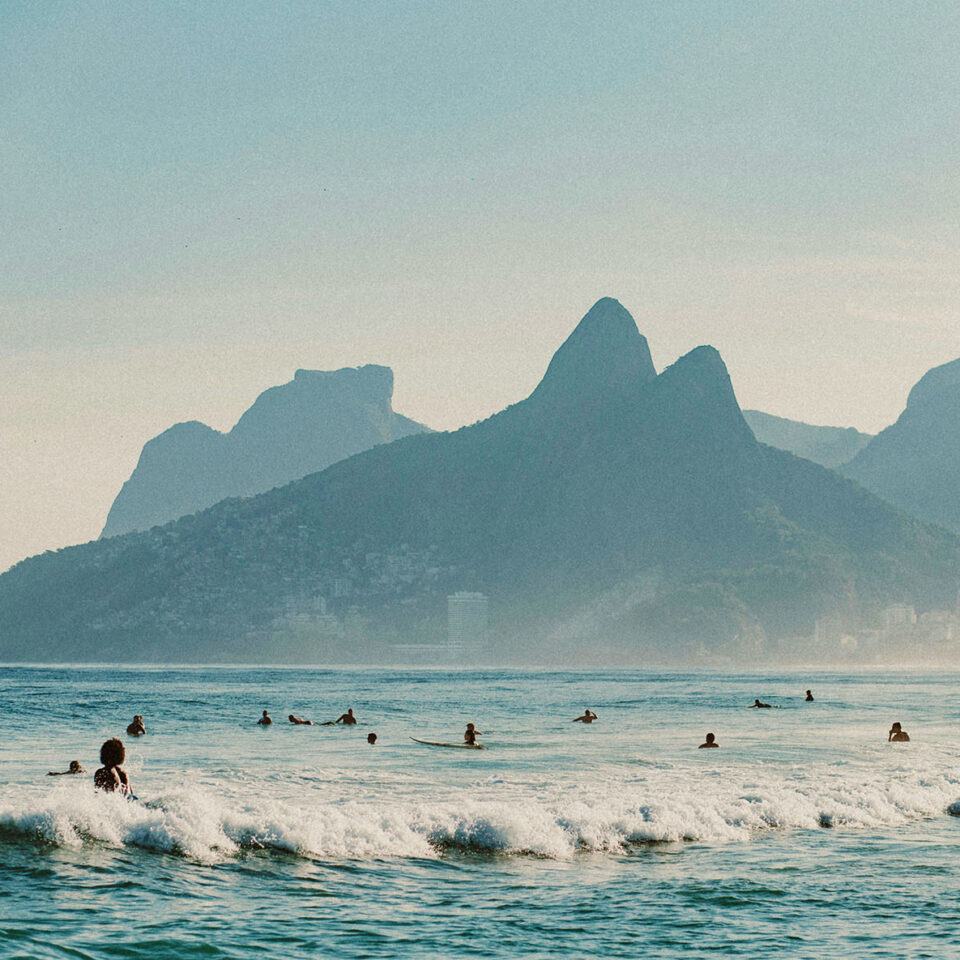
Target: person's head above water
<point>470,726</point>
<point>896,728</point>
<point>112,753</point>
<point>371,738</point>
<point>711,741</point>
<point>75,766</point>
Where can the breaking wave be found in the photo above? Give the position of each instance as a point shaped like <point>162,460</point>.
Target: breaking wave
<point>612,816</point>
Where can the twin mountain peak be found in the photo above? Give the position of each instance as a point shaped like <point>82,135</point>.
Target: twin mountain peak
<point>319,418</point>
<point>614,508</point>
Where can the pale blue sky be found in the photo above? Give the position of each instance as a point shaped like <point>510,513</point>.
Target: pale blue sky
<point>198,198</point>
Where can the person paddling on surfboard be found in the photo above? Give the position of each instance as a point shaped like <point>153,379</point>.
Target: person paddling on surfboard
<point>471,735</point>
<point>300,721</point>
<point>74,768</point>
<point>588,717</point>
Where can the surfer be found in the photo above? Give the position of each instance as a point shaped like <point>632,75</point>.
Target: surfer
<point>111,777</point>
<point>347,719</point>
<point>300,721</point>
<point>371,738</point>
<point>898,734</point>
<point>809,697</point>
<point>264,721</point>
<point>588,717</point>
<point>757,703</point>
<point>74,768</point>
<point>711,741</point>
<point>471,734</point>
<point>137,729</point>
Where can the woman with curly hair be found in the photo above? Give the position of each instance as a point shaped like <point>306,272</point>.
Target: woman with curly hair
<point>111,776</point>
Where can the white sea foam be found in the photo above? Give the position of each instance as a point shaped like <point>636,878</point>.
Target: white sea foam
<point>610,815</point>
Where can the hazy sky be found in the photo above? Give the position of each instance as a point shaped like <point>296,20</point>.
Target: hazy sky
<point>198,198</point>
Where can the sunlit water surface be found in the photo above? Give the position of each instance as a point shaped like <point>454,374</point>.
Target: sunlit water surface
<point>805,835</point>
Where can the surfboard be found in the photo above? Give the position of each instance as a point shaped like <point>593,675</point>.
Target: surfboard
<point>461,746</point>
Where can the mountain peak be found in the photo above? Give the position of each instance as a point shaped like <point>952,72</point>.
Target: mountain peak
<point>703,368</point>
<point>291,430</point>
<point>696,393</point>
<point>371,378</point>
<point>606,354</point>
<point>935,385</point>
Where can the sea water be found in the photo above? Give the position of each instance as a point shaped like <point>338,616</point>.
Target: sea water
<point>806,834</point>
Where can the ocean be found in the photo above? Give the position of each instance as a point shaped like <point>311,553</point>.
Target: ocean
<point>806,834</point>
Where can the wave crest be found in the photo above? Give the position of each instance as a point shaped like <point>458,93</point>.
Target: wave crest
<point>608,817</point>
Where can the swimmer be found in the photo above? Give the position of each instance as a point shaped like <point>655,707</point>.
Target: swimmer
<point>588,717</point>
<point>471,734</point>
<point>264,721</point>
<point>300,721</point>
<point>371,738</point>
<point>757,703</point>
<point>809,697</point>
<point>898,735</point>
<point>74,768</point>
<point>711,741</point>
<point>347,719</point>
<point>137,729</point>
<point>111,777</point>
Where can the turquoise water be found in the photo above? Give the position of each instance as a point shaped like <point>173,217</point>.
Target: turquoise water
<point>805,835</point>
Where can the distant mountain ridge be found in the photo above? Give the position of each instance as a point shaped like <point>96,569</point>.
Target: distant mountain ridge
<point>612,507</point>
<point>828,446</point>
<point>290,431</point>
<point>915,462</point>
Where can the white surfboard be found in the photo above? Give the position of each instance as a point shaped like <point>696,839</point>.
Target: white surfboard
<point>461,746</point>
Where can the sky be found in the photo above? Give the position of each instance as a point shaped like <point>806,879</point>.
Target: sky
<point>198,199</point>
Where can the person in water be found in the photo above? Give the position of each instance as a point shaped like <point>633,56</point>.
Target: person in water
<point>300,721</point>
<point>588,717</point>
<point>711,741</point>
<point>74,768</point>
<point>898,735</point>
<point>265,720</point>
<point>809,697</point>
<point>757,703</point>
<point>111,777</point>
<point>137,729</point>
<point>347,719</point>
<point>471,734</point>
<point>371,738</point>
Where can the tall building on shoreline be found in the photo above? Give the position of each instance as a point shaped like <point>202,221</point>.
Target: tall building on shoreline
<point>467,621</point>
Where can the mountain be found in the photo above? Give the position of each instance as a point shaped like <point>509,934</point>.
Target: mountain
<point>915,463</point>
<point>828,446</point>
<point>290,431</point>
<point>612,513</point>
